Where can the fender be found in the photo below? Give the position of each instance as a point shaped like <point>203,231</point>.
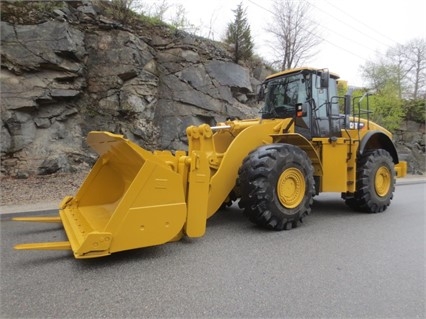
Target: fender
<point>377,139</point>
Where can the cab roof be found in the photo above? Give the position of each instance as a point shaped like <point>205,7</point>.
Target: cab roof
<point>295,70</point>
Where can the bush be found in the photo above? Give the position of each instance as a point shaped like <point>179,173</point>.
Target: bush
<point>416,110</point>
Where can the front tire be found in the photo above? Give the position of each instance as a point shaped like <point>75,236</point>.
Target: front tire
<point>277,186</point>
<point>375,182</point>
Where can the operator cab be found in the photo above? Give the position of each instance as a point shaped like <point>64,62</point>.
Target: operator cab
<point>305,95</point>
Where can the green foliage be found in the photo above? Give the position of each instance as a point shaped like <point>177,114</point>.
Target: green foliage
<point>380,75</point>
<point>385,107</point>
<point>398,79</point>
<point>342,87</point>
<point>342,90</point>
<point>404,66</point>
<point>120,10</point>
<point>151,20</point>
<point>416,110</point>
<point>238,35</point>
<point>129,13</point>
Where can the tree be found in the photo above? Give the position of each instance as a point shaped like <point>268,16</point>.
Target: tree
<point>416,55</point>
<point>405,64</point>
<point>295,33</point>
<point>398,79</point>
<point>381,74</point>
<point>409,63</point>
<point>238,35</point>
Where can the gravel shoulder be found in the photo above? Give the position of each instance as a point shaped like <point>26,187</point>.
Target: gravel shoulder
<point>39,190</point>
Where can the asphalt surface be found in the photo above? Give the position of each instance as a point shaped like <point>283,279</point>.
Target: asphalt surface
<point>338,264</point>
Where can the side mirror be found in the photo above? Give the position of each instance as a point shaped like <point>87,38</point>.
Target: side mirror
<point>324,78</point>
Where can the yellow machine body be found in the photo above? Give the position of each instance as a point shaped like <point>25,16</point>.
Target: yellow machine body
<point>134,198</point>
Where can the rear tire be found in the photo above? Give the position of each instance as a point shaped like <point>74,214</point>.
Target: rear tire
<point>375,182</point>
<point>277,186</point>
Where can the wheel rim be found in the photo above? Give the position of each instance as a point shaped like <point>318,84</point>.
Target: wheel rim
<point>382,181</point>
<point>291,188</point>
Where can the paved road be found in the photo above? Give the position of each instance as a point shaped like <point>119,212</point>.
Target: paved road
<point>337,264</point>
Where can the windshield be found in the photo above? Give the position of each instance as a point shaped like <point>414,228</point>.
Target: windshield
<point>282,95</point>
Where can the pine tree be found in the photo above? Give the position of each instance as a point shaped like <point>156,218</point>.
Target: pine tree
<point>238,35</point>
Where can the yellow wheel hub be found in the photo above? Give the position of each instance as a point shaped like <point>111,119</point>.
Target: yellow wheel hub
<point>382,181</point>
<point>291,188</point>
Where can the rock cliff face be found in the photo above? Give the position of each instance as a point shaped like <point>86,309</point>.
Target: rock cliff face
<point>410,143</point>
<point>77,71</point>
<point>72,70</point>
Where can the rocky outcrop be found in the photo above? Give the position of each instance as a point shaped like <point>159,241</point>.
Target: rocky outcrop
<point>410,141</point>
<point>77,71</point>
<point>71,70</point>
<point>42,79</point>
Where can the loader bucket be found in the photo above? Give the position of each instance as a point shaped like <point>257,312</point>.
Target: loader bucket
<point>130,199</point>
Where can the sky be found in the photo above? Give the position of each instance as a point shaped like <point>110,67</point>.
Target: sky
<point>353,32</point>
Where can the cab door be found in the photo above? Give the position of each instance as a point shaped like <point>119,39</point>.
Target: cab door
<point>325,114</point>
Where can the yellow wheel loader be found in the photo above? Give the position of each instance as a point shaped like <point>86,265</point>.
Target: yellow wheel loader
<point>307,140</point>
